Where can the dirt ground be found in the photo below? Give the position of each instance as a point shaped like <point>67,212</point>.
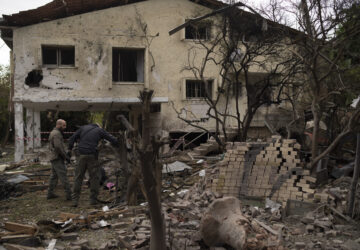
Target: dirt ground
<point>296,233</point>
<point>33,207</point>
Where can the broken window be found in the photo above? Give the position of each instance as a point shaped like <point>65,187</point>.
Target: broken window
<point>58,55</point>
<point>198,31</point>
<point>198,89</point>
<point>128,65</point>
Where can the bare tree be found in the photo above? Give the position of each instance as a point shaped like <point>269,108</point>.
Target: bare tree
<point>320,49</point>
<point>151,172</point>
<point>249,51</point>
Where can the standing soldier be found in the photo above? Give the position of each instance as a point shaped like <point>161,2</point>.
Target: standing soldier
<point>57,157</point>
<point>88,137</point>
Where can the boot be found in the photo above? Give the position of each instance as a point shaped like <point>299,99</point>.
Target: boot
<point>51,196</point>
<point>75,203</point>
<point>93,201</point>
<point>68,196</point>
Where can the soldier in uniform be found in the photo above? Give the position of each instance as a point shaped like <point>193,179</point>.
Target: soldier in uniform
<point>88,137</point>
<point>57,158</point>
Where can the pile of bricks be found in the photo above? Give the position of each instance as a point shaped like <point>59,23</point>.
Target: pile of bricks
<point>265,169</point>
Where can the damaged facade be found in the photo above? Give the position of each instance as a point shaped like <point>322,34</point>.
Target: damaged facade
<point>75,56</point>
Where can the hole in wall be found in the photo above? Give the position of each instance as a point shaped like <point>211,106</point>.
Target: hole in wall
<point>34,78</point>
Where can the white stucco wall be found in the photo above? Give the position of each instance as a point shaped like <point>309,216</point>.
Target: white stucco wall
<point>90,82</point>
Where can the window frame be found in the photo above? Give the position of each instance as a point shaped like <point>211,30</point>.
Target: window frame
<point>211,89</point>
<point>119,48</point>
<point>58,56</point>
<point>209,30</point>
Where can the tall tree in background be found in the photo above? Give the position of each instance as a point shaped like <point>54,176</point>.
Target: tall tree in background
<point>321,52</point>
<point>5,104</point>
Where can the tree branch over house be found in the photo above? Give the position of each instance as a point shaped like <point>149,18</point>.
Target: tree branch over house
<point>253,69</point>
<point>321,50</point>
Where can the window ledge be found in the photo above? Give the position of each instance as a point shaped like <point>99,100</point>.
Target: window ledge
<point>59,67</point>
<point>195,40</point>
<point>128,83</point>
<point>194,100</point>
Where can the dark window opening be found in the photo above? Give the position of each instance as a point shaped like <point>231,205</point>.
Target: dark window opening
<point>199,31</point>
<point>155,108</point>
<point>67,56</point>
<point>198,89</point>
<point>128,65</point>
<point>58,55</point>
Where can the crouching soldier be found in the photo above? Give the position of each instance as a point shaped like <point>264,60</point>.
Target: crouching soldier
<point>57,158</point>
<point>88,137</point>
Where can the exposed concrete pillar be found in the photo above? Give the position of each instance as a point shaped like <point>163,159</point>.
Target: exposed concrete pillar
<point>19,131</point>
<point>37,129</point>
<point>29,129</point>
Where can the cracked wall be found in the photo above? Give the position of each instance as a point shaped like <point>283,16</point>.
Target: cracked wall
<point>94,35</point>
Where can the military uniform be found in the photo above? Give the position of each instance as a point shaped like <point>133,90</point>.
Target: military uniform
<point>58,169</point>
<point>88,137</point>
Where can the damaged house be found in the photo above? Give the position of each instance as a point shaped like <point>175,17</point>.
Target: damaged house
<point>72,55</point>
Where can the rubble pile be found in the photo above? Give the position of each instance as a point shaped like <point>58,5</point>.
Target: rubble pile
<point>7,189</point>
<point>264,169</point>
<point>337,193</point>
<point>193,220</point>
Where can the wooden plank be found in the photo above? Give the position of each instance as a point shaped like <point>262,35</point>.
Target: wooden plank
<point>269,229</point>
<point>17,227</point>
<point>20,247</point>
<point>14,238</point>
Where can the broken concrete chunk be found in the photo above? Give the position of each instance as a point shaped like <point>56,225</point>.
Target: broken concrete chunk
<point>331,233</point>
<point>254,212</point>
<point>338,242</point>
<point>119,225</point>
<point>351,245</point>
<point>69,236</point>
<point>300,245</point>
<point>323,224</point>
<point>223,224</point>
<point>176,166</point>
<point>310,228</point>
<point>81,242</point>
<point>308,219</point>
<point>194,225</point>
<point>104,246</point>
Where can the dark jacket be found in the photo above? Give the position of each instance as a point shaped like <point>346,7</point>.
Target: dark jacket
<point>89,137</point>
<point>56,145</point>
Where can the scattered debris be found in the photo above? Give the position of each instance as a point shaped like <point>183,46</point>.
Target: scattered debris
<point>176,166</point>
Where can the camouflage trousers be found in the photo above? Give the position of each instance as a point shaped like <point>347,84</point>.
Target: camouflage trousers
<point>58,171</point>
<point>89,163</point>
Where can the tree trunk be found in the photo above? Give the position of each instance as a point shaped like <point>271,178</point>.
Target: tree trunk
<point>151,178</point>
<point>314,143</point>
<point>355,178</point>
<point>246,125</point>
<point>8,127</point>
<point>158,236</point>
